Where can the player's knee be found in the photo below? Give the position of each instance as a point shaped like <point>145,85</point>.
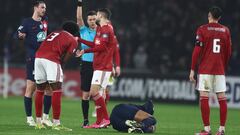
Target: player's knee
<point>56,86</point>
<point>149,125</point>
<point>204,93</point>
<point>42,86</point>
<point>221,95</point>
<point>85,96</point>
<point>94,90</point>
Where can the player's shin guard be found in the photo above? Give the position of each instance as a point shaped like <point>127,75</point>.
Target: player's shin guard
<point>205,110</point>
<point>223,110</point>
<point>39,103</point>
<point>148,125</point>
<point>28,106</point>
<point>100,108</point>
<point>47,103</point>
<point>56,104</point>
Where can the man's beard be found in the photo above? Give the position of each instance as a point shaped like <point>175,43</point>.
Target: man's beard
<point>98,22</point>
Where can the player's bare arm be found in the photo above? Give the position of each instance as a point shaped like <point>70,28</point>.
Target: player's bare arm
<point>80,21</point>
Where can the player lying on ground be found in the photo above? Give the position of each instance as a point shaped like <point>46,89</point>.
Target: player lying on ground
<point>33,31</point>
<point>212,51</point>
<point>133,118</point>
<point>54,51</point>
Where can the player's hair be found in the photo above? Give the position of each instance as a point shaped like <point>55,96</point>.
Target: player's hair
<point>216,12</point>
<point>92,12</point>
<point>105,12</point>
<point>71,27</point>
<point>37,3</point>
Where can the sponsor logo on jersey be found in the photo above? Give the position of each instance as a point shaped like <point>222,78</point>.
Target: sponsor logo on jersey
<point>41,36</point>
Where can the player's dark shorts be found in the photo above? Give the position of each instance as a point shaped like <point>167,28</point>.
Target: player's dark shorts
<point>120,114</point>
<point>30,68</point>
<point>86,74</point>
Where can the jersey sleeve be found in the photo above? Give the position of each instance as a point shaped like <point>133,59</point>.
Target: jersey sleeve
<point>117,55</point>
<point>72,46</point>
<point>23,27</point>
<point>199,37</point>
<point>228,47</point>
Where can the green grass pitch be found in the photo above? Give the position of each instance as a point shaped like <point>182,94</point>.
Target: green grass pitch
<point>172,119</point>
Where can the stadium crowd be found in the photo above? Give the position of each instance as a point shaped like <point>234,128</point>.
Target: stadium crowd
<point>154,35</point>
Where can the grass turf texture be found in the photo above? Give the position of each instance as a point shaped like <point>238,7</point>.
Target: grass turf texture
<point>172,119</point>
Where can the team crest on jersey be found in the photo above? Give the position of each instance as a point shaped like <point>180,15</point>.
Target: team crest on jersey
<point>105,35</point>
<point>41,26</point>
<point>197,37</point>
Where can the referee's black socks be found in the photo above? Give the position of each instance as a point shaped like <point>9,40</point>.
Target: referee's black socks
<point>85,109</point>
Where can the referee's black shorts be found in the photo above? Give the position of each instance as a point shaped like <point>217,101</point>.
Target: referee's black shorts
<point>86,73</point>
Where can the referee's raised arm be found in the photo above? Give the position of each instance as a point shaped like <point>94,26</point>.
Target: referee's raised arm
<point>80,21</point>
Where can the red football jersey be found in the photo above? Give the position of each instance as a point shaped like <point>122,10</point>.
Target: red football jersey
<point>104,47</point>
<point>215,42</point>
<point>57,44</point>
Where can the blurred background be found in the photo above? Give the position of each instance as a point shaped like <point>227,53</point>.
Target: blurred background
<point>156,41</point>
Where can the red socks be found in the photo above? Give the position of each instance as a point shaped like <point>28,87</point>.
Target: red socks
<point>205,110</point>
<point>223,110</point>
<point>39,102</point>
<point>101,109</point>
<point>56,104</point>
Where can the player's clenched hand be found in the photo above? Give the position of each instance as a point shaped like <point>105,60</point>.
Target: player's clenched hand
<point>79,53</point>
<point>21,35</point>
<point>191,76</point>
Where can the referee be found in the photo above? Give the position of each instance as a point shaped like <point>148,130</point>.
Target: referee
<point>87,33</point>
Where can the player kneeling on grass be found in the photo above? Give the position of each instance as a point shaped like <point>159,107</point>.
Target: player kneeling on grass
<point>133,118</point>
<point>49,58</point>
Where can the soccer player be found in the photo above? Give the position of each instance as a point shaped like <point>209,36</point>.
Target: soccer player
<point>87,33</point>
<point>212,52</point>
<point>115,73</point>
<point>133,118</point>
<point>103,48</point>
<point>54,51</point>
<point>34,31</point>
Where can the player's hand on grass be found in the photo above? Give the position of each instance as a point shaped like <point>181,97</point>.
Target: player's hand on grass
<point>191,76</point>
<point>79,53</point>
<point>21,35</point>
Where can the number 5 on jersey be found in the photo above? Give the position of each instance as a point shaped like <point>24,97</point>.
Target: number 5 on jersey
<point>216,46</point>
